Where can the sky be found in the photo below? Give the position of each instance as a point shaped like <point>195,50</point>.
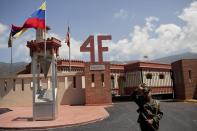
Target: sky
<point>153,28</point>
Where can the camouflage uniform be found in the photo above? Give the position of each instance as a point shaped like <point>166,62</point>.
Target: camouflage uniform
<point>147,110</point>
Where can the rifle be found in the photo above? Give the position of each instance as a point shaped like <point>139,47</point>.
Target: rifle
<point>145,118</point>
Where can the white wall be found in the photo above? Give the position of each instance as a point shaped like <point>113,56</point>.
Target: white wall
<point>155,81</point>
<point>133,79</point>
<point>18,97</point>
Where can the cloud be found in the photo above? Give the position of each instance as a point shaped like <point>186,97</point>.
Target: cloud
<point>149,22</point>
<point>3,28</point>
<point>75,50</point>
<point>3,35</point>
<point>189,15</point>
<point>122,14</point>
<point>3,46</point>
<point>20,50</point>
<point>52,34</point>
<point>156,40</point>
<point>168,31</point>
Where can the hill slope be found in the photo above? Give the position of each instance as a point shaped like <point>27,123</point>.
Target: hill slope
<point>173,58</point>
<point>5,68</point>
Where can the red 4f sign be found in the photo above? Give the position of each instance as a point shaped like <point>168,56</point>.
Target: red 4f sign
<point>90,41</point>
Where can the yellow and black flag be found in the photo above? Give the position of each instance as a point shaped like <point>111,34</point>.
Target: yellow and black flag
<point>15,33</point>
<point>10,40</point>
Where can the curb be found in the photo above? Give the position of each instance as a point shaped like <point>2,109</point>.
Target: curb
<point>191,101</point>
<point>179,100</point>
<point>56,126</point>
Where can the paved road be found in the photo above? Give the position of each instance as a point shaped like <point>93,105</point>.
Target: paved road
<point>178,116</point>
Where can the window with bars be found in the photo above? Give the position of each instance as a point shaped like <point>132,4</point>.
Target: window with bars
<point>22,85</point>
<point>14,84</point>
<point>190,75</point>
<point>5,85</point>
<point>102,80</point>
<point>92,77</point>
<point>148,76</point>
<point>74,82</point>
<point>93,80</point>
<point>161,76</point>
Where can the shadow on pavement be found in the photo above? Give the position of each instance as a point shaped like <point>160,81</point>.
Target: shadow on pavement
<point>4,110</point>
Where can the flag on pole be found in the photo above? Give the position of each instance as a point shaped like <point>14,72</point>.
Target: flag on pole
<point>68,37</point>
<point>10,40</point>
<point>36,20</point>
<point>15,33</point>
<point>68,44</point>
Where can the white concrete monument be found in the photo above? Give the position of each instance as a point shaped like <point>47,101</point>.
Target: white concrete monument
<point>44,66</point>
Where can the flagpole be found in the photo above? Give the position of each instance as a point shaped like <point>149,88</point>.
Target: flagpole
<point>69,48</point>
<point>68,43</point>
<point>45,38</point>
<point>69,59</point>
<point>11,62</point>
<point>67,40</point>
<point>45,32</point>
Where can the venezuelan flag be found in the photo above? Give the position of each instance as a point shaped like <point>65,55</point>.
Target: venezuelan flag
<point>37,19</point>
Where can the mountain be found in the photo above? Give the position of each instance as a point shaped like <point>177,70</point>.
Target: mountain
<point>173,58</point>
<point>5,68</point>
<point>117,62</point>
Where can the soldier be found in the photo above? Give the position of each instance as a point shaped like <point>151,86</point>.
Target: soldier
<point>149,109</point>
